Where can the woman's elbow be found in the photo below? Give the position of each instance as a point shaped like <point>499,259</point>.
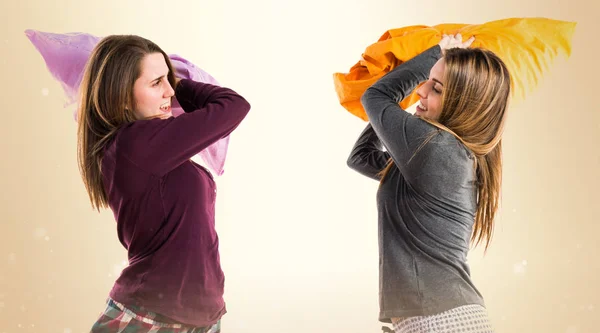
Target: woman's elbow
<point>241,107</point>
<point>352,162</point>
<point>364,99</point>
<point>367,101</point>
<point>245,105</point>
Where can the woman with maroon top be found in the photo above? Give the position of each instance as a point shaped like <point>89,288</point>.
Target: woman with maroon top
<point>134,157</point>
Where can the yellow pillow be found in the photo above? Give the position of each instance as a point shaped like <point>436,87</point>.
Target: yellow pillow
<point>526,45</point>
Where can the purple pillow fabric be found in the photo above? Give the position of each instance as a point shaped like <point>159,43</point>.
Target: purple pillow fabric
<point>66,55</point>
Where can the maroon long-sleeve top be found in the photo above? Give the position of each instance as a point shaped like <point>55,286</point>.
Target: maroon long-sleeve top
<point>164,205</point>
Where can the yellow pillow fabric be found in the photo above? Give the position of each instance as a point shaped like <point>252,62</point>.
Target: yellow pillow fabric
<point>526,45</point>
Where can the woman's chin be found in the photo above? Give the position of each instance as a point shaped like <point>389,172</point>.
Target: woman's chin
<point>162,115</point>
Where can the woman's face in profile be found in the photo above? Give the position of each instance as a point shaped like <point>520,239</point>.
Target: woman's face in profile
<point>430,93</point>
<point>152,90</point>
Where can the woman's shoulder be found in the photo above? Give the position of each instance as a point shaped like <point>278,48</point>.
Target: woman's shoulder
<point>134,136</point>
<point>446,145</point>
<point>142,128</point>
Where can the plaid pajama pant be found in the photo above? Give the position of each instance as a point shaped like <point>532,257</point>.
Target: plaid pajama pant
<point>119,319</point>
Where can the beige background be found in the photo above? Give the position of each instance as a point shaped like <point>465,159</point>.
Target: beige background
<point>297,227</point>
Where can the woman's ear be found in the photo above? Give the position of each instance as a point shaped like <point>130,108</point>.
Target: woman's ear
<point>128,105</point>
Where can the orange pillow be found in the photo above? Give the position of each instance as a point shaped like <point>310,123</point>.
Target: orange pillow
<point>526,45</point>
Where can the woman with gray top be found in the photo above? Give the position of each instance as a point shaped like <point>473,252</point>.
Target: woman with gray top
<point>440,175</point>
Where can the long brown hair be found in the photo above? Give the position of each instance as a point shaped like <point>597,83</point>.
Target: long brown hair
<point>107,102</point>
<point>474,104</point>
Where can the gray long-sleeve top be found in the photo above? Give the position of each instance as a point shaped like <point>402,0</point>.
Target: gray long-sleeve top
<point>426,204</point>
